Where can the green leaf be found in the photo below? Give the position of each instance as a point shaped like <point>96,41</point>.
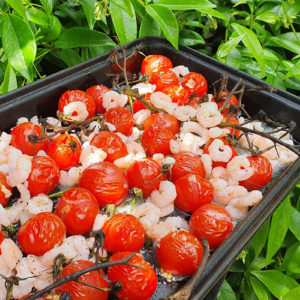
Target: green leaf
<point>48,5</point>
<point>125,5</point>
<point>10,80</point>
<point>190,38</point>
<point>89,11</point>
<point>82,37</point>
<point>37,16</point>
<point>19,45</point>
<point>268,17</point>
<point>70,57</point>
<point>139,9</point>
<point>277,282</point>
<point>226,292</point>
<point>292,294</point>
<point>125,25</point>
<point>258,288</point>
<point>291,261</point>
<point>213,12</point>
<point>18,6</point>
<point>252,43</point>
<point>149,27</point>
<point>287,41</point>
<point>51,32</point>
<point>295,71</point>
<point>226,48</point>
<point>186,5</point>
<point>98,50</point>
<point>167,21</point>
<point>295,223</point>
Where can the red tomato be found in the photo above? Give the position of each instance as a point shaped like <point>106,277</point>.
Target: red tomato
<point>97,92</point>
<point>162,120</point>
<point>177,93</point>
<point>164,78</point>
<point>187,163</point>
<point>106,181</point>
<point>65,150</point>
<point>157,140</point>
<point>110,143</point>
<point>77,96</point>
<point>19,138</point>
<point>195,83</point>
<point>212,222</point>
<point>44,175</point>
<point>262,173</point>
<point>155,63</point>
<point>138,284</point>
<point>145,175</point>
<point>78,208</point>
<point>234,121</point>
<point>79,291</point>
<point>179,253</point>
<point>233,101</point>
<point>4,185</point>
<point>48,297</point>
<point>192,192</point>
<point>41,233</point>
<point>121,118</point>
<point>123,232</point>
<point>2,237</point>
<point>137,105</point>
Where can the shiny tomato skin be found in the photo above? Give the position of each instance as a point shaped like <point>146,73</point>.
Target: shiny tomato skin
<point>106,181</point>
<point>121,118</point>
<point>3,182</point>
<point>77,96</point>
<point>186,163</point>
<point>78,209</point>
<point>137,105</point>
<point>61,150</point>
<point>2,237</point>
<point>123,232</point>
<point>41,298</point>
<point>19,138</point>
<point>179,253</point>
<point>79,291</point>
<point>192,192</point>
<point>162,120</point>
<point>44,175</point>
<point>155,140</point>
<point>164,78</point>
<point>110,143</point>
<point>233,121</point>
<point>155,63</point>
<point>212,222</point>
<point>233,100</point>
<point>262,175</point>
<point>41,233</point>
<point>145,175</point>
<point>177,93</point>
<point>138,284</point>
<point>97,92</point>
<point>195,83</point>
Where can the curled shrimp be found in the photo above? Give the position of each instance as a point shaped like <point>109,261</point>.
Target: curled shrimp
<point>187,142</point>
<point>239,168</point>
<point>38,204</point>
<point>196,128</point>
<point>20,172</point>
<point>113,99</point>
<point>230,192</point>
<point>183,113</point>
<point>207,163</point>
<point>158,157</point>
<point>165,195</point>
<point>216,132</point>
<point>77,107</point>
<point>177,223</point>
<point>136,149</point>
<point>180,71</point>
<point>166,210</point>
<point>208,115</point>
<point>10,253</point>
<point>71,177</point>
<point>99,221</point>
<point>144,88</point>
<point>148,213</point>
<point>218,151</point>
<point>91,154</point>
<point>125,162</point>
<point>159,230</point>
<point>141,116</point>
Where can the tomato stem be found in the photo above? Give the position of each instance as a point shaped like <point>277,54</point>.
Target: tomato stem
<point>60,193</point>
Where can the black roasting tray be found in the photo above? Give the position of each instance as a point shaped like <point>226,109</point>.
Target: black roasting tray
<point>41,98</point>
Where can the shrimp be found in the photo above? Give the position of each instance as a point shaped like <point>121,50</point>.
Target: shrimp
<point>91,154</point>
<point>148,213</point>
<point>136,149</point>
<point>207,163</point>
<point>144,88</point>
<point>187,142</point>
<point>22,120</point>
<point>125,162</point>
<point>166,210</point>
<point>99,221</point>
<point>159,230</point>
<point>180,71</point>
<point>183,113</point>
<point>165,195</point>
<point>160,100</point>
<point>38,204</point>
<point>218,151</point>
<point>113,99</point>
<point>136,134</point>
<point>10,253</point>
<point>178,223</point>
<point>216,132</point>
<point>141,116</point>
<point>239,168</point>
<point>35,120</point>
<point>194,127</point>
<point>230,192</point>
<point>208,115</point>
<point>77,107</point>
<point>71,177</point>
<point>158,157</point>
<point>20,172</point>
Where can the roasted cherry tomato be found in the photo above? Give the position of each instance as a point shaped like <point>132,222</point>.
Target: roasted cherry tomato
<point>233,100</point>
<point>164,78</point>
<point>137,105</point>
<point>121,118</point>
<point>110,143</point>
<point>41,233</point>
<point>192,192</point>
<point>186,163</point>
<point>123,232</point>
<point>80,291</point>
<point>78,209</point>
<point>157,140</point>
<point>44,175</point>
<point>234,121</point>
<point>262,173</point>
<point>145,175</point>
<point>2,237</point>
<point>138,283</point>
<point>77,96</point>
<point>177,93</point>
<point>195,83</point>
<point>179,253</point>
<point>41,298</point>
<point>26,137</point>
<point>212,222</point>
<point>97,92</point>
<point>106,181</point>
<point>162,120</point>
<point>5,190</point>
<point>155,63</point>
<point>65,150</point>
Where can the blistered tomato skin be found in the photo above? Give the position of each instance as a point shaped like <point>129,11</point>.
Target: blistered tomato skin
<point>97,92</point>
<point>20,135</point>
<point>179,253</point>
<point>80,291</point>
<point>106,181</point>
<point>192,192</point>
<point>155,63</point>
<point>162,120</point>
<point>195,83</point>
<point>65,150</point>
<point>137,105</point>
<point>110,143</point>
<point>262,175</point>
<point>41,233</point>
<point>3,182</point>
<point>138,284</point>
<point>164,78</point>
<point>123,232</point>
<point>212,222</point>
<point>177,93</point>
<point>78,209</point>
<point>233,100</point>
<point>44,175</point>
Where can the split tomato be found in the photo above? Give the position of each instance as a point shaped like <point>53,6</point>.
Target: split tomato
<point>164,78</point>
<point>97,92</point>
<point>155,63</point>
<point>195,83</point>
<point>5,190</point>
<point>162,120</point>
<point>177,93</point>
